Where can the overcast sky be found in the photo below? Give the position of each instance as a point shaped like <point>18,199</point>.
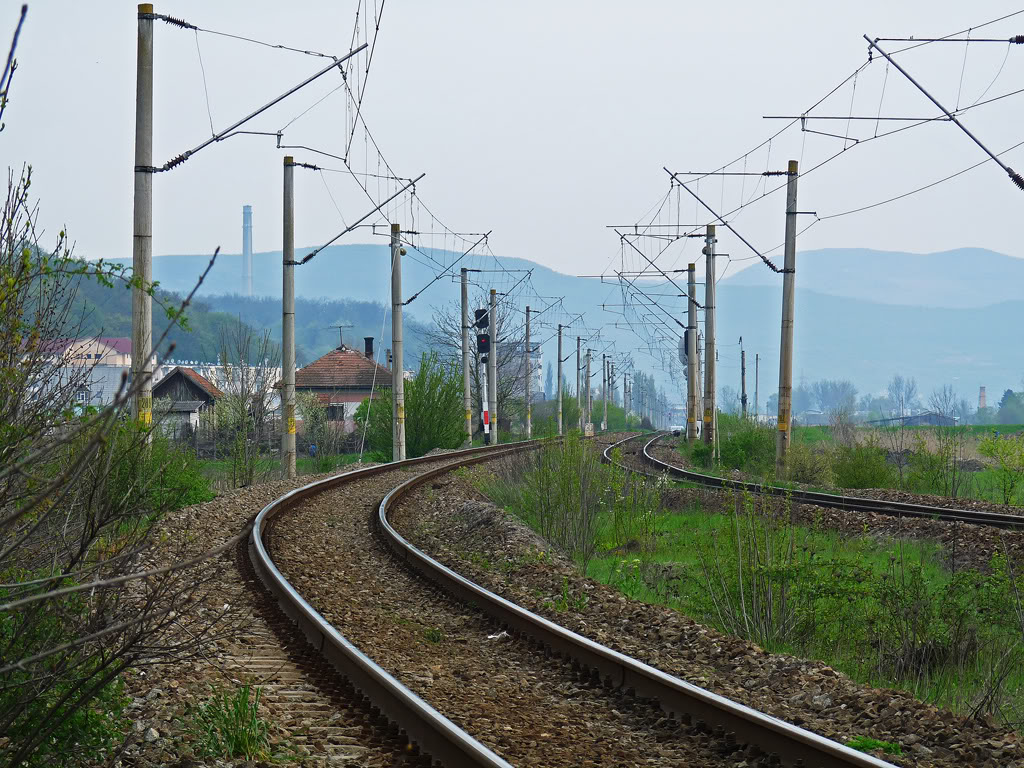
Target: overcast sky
<point>542,121</point>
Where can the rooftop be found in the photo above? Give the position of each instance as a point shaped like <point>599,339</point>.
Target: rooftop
<point>343,367</point>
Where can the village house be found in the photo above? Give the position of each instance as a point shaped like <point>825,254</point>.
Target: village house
<point>96,366</point>
<point>180,396</point>
<point>341,380</point>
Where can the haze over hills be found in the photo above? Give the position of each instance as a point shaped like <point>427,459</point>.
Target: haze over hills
<point>950,318</point>
<point>961,278</point>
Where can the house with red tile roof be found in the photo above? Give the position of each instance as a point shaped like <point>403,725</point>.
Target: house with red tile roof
<point>342,379</point>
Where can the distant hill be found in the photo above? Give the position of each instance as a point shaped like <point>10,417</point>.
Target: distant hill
<point>105,311</point>
<point>961,279</point>
<point>862,315</point>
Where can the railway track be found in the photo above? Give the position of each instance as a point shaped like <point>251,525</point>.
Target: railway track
<point>470,678</point>
<point>831,500</point>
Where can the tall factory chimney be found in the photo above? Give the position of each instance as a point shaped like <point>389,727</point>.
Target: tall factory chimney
<point>981,398</point>
<point>247,249</point>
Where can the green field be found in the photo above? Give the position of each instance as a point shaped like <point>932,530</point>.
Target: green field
<point>887,612</point>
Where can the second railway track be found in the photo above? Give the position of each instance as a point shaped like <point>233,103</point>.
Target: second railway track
<point>641,452</point>
<point>481,696</point>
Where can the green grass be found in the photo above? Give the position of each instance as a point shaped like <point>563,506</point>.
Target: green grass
<point>885,612</point>
<point>812,435</point>
<point>229,726</point>
<point>868,744</point>
<point>220,469</point>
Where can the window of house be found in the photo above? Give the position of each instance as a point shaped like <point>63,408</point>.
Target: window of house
<point>82,396</point>
<point>336,413</point>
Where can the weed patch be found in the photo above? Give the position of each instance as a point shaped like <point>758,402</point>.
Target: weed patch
<point>228,726</point>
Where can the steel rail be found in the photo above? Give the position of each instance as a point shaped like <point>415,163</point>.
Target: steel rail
<point>837,501</point>
<point>675,696</point>
<point>431,731</point>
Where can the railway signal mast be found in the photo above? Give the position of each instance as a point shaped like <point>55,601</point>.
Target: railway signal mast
<point>483,350</point>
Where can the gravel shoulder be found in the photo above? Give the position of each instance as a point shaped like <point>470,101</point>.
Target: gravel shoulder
<point>313,717</point>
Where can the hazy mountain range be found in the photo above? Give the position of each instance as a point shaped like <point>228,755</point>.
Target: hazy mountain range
<point>955,317</point>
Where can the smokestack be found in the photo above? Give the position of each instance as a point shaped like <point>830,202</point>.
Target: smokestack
<point>981,398</point>
<point>247,249</point>
<point>368,347</point>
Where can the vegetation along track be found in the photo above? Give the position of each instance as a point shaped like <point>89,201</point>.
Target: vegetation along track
<point>638,458</point>
<point>541,695</point>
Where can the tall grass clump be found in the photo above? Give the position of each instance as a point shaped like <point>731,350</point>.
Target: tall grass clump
<point>574,501</point>
<point>228,726</point>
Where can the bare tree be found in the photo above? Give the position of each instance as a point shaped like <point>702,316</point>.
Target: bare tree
<point>829,394</point>
<point>87,588</point>
<point>251,369</point>
<point>951,436</point>
<point>902,398</point>
<point>445,338</point>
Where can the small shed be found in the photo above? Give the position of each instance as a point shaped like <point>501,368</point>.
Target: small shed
<point>185,385</point>
<point>180,396</point>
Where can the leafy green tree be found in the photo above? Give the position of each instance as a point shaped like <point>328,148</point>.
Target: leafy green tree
<point>434,415</point>
<point>1011,408</point>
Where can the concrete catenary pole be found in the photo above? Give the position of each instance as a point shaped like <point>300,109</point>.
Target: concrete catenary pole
<point>142,224</point>
<point>247,249</point>
<point>579,382</point>
<point>786,345</point>
<point>466,401</point>
<point>743,382</point>
<point>529,376</point>
<point>590,401</point>
<point>710,384</point>
<point>757,382</point>
<point>604,391</point>
<point>691,354</point>
<point>492,367</point>
<point>288,322</point>
<point>397,370</point>
<point>559,378</point>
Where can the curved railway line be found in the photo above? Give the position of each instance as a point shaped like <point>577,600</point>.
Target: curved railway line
<point>541,696</point>
<point>831,500</point>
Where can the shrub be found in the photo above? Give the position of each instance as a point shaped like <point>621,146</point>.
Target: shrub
<point>93,729</point>
<point>434,412</point>
<point>746,445</point>
<point>861,466</point>
<point>1008,453</point>
<point>807,465</point>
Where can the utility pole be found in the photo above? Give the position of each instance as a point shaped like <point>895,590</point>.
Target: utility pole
<point>142,225</point>
<point>288,322</point>
<point>757,383</point>
<point>579,388</point>
<point>590,403</point>
<point>466,401</point>
<point>700,374</point>
<point>710,384</point>
<point>786,345</point>
<point>492,366</point>
<point>743,379</point>
<point>397,370</point>
<point>529,375</point>
<point>691,355</point>
<point>559,379</point>
<point>604,391</point>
